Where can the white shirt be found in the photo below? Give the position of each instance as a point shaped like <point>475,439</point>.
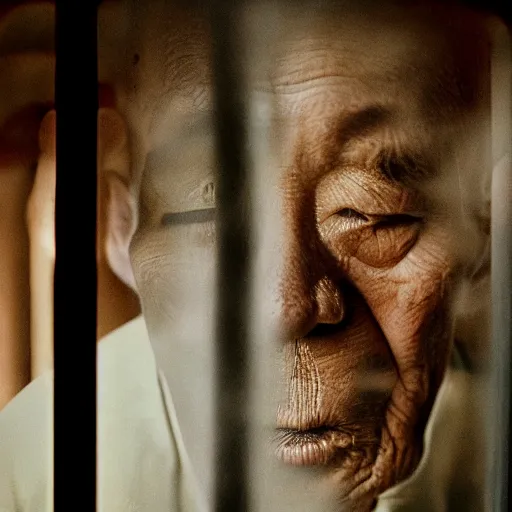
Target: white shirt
<point>142,465</point>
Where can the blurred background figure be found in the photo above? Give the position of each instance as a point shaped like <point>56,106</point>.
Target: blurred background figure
<point>26,92</point>
<point>27,195</point>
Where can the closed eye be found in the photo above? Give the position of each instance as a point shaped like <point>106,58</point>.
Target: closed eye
<point>385,221</point>
<point>396,220</point>
<point>188,217</point>
<point>349,213</point>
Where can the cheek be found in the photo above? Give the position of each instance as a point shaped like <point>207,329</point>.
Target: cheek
<point>357,373</point>
<point>175,276</point>
<point>412,302</point>
<point>416,320</point>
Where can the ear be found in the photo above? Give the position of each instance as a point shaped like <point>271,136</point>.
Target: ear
<point>119,208</point>
<point>121,225</point>
<point>40,211</point>
<point>113,153</point>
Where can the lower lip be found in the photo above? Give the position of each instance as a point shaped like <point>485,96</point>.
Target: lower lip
<point>310,448</point>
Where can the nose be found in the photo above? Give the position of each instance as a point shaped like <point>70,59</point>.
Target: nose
<point>304,306</point>
<point>310,285</point>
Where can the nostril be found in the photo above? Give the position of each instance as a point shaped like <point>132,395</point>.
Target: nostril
<point>326,330</point>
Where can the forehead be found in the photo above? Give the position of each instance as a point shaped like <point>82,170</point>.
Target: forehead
<point>424,56</point>
<point>322,71</point>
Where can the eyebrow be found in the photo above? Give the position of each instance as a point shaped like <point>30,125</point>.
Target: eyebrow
<point>189,217</point>
<point>398,162</point>
<point>345,130</point>
<point>402,165</point>
<point>361,123</point>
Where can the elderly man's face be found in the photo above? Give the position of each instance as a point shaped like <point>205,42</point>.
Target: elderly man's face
<point>371,120</point>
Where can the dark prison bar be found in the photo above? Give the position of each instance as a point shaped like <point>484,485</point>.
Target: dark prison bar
<point>233,235</point>
<point>76,102</point>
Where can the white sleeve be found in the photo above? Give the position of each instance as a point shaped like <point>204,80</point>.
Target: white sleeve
<point>26,449</point>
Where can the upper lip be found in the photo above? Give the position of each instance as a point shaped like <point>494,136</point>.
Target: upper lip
<point>289,421</point>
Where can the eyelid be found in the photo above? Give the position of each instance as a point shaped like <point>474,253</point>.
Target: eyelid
<point>351,213</point>
<point>189,217</point>
<point>365,192</point>
<point>379,219</point>
<point>350,222</point>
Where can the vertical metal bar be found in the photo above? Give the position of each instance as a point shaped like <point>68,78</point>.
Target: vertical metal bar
<point>233,237</point>
<point>76,100</point>
<point>501,271</point>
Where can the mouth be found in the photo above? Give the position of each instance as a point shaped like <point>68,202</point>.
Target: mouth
<point>313,447</point>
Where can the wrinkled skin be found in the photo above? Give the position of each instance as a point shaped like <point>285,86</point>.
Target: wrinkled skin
<point>370,114</point>
<point>369,258</point>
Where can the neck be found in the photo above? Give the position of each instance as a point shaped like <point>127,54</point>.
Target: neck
<point>117,304</point>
